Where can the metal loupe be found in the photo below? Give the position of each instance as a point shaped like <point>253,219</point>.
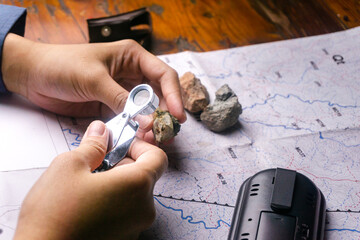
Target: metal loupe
<point>142,100</point>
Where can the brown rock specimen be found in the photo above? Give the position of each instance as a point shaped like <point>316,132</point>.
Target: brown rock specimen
<point>194,94</point>
<point>225,111</point>
<point>165,126</point>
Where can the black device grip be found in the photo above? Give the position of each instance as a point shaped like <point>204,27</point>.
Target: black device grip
<point>278,204</point>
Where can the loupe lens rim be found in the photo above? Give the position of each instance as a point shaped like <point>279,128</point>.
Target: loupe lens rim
<point>148,107</point>
<point>138,89</point>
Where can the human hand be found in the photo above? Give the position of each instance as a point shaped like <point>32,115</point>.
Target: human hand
<point>87,79</point>
<point>71,202</point>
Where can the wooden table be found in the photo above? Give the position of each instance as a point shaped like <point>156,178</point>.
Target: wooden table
<point>196,25</point>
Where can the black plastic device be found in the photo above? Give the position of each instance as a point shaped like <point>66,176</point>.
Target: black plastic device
<point>278,204</point>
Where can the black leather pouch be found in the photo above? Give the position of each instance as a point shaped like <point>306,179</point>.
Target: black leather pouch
<point>131,25</point>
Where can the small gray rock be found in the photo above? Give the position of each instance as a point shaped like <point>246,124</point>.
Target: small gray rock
<point>224,93</point>
<point>225,111</point>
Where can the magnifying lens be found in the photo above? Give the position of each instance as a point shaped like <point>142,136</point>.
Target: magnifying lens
<point>142,100</point>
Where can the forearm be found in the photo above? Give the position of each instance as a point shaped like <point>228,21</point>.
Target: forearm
<point>16,63</point>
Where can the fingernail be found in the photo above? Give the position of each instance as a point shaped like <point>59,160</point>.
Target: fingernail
<point>185,116</point>
<point>96,129</point>
<point>145,121</point>
<point>148,120</point>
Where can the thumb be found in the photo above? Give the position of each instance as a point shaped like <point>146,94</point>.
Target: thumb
<point>94,145</point>
<point>112,94</point>
<point>115,97</point>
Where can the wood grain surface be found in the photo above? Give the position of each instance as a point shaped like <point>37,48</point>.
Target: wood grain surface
<point>197,25</point>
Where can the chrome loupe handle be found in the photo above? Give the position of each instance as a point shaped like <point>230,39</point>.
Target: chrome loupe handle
<point>141,100</point>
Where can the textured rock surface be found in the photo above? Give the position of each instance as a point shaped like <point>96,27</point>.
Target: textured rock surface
<point>194,94</point>
<point>225,111</point>
<point>165,126</point>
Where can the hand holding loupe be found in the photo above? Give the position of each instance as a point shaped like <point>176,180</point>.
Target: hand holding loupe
<point>142,100</point>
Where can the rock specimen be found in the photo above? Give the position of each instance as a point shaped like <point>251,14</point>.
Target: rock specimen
<point>194,94</point>
<point>225,111</point>
<point>165,126</point>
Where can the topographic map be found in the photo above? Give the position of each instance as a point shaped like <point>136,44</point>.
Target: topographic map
<point>301,111</point>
